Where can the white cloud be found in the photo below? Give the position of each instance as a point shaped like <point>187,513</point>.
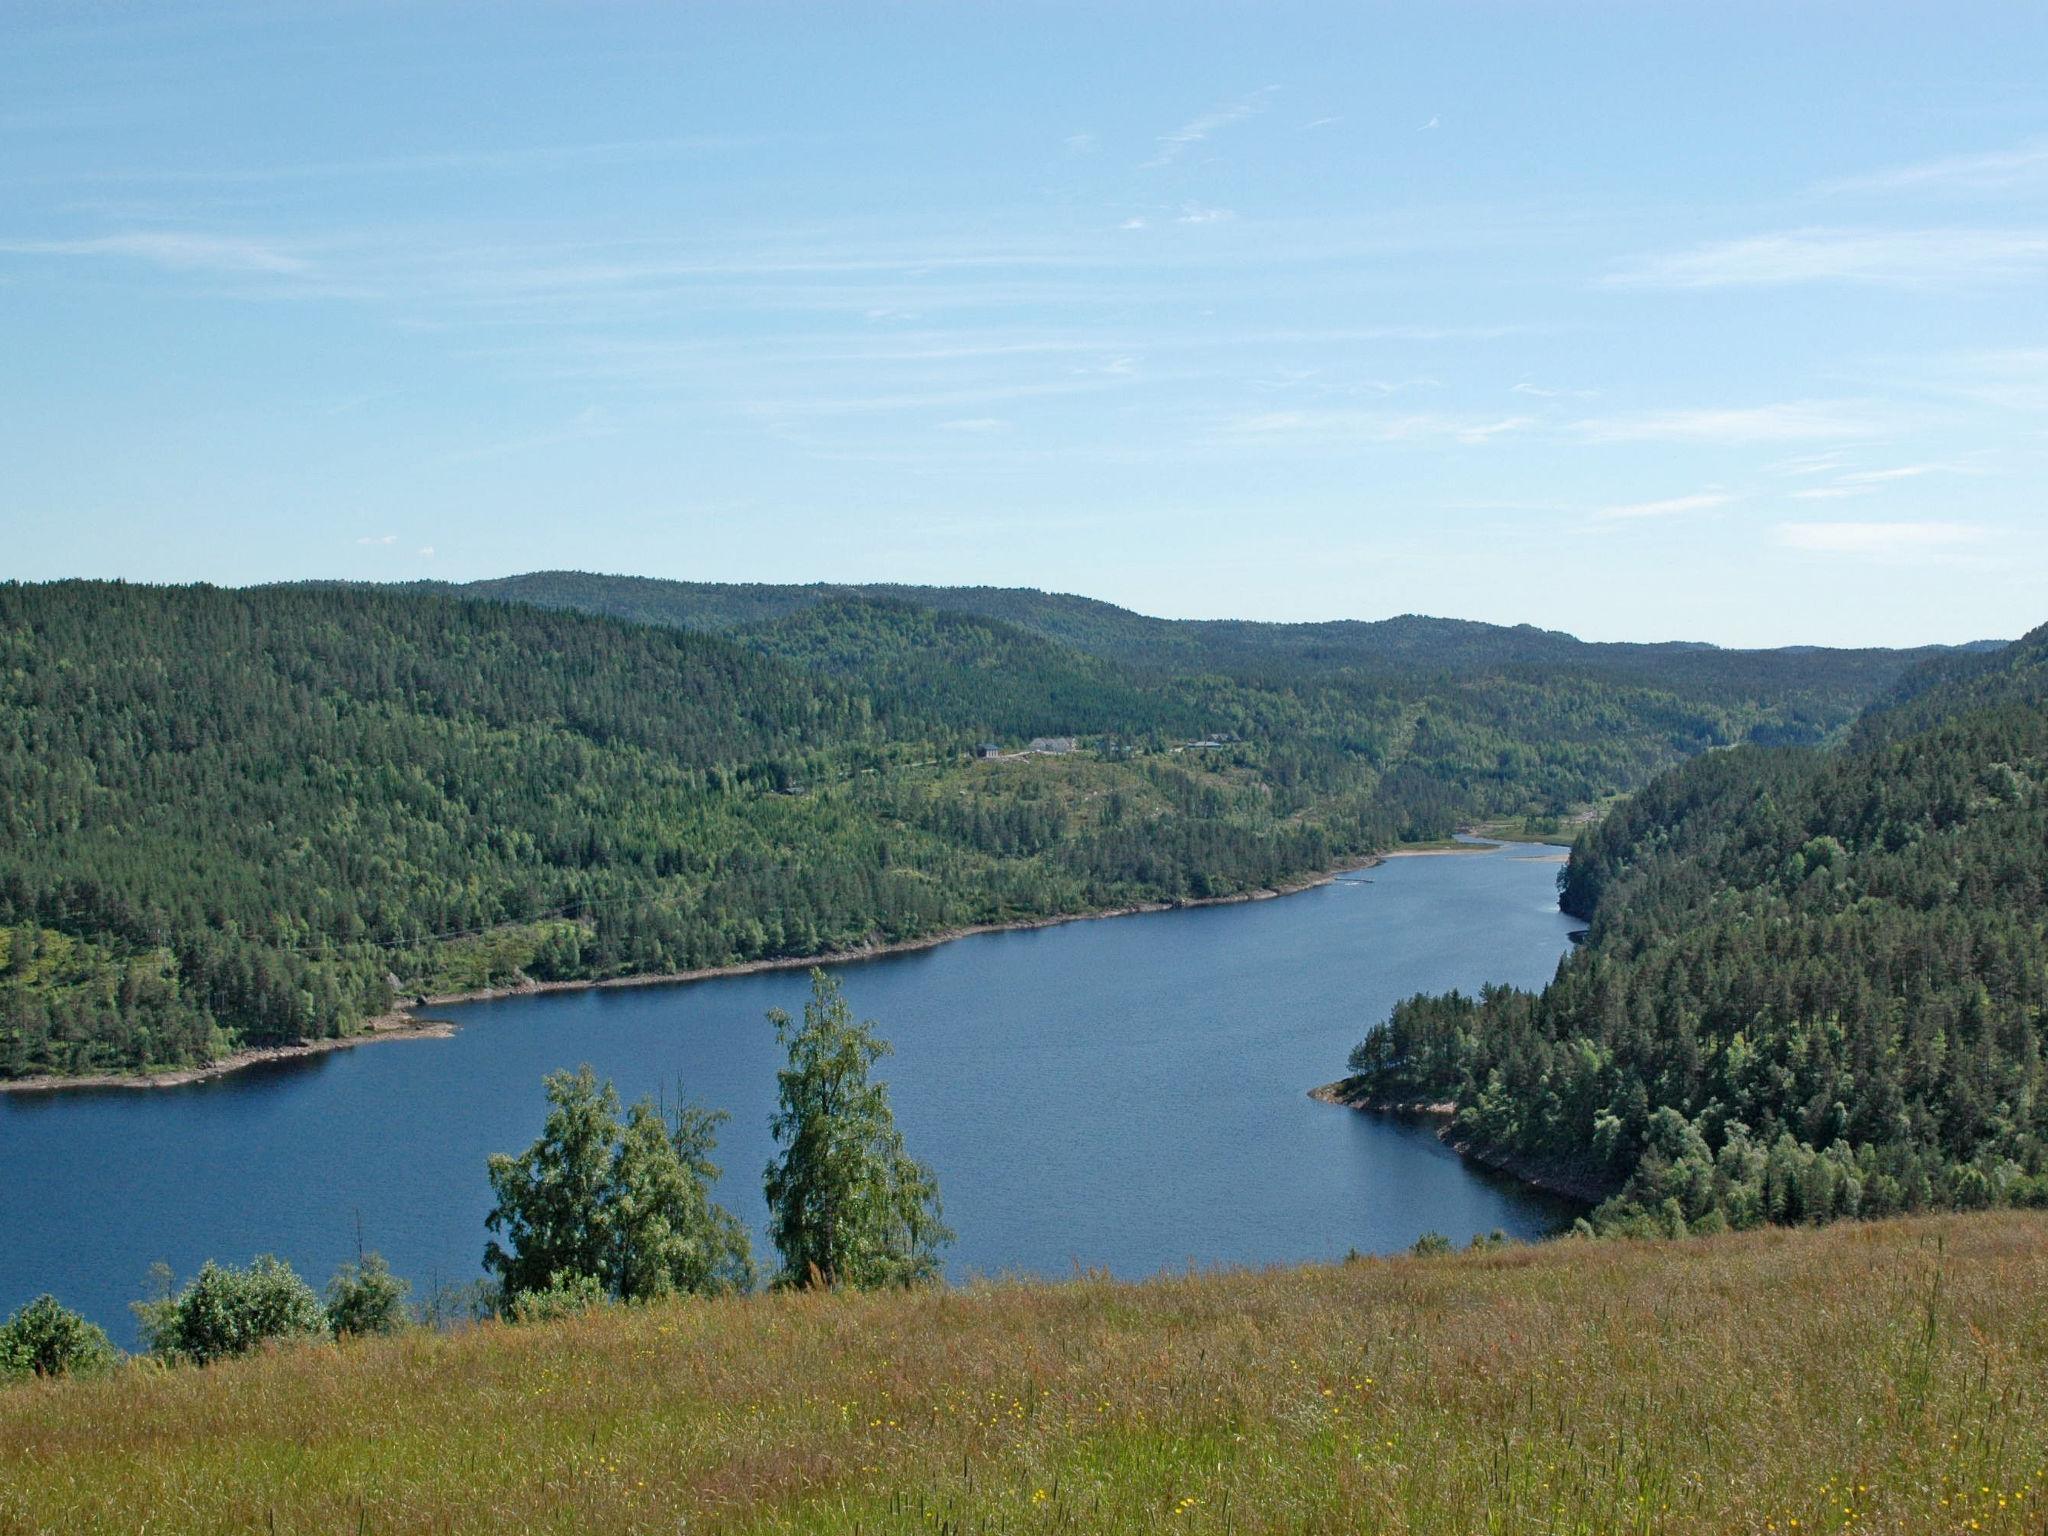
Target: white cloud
<point>1433,122</point>
<point>1787,422</point>
<point>378,538</point>
<point>1670,506</point>
<point>1079,143</point>
<point>1173,145</point>
<point>426,551</point>
<point>1195,213</point>
<point>1134,222</point>
<point>1993,171</point>
<point>167,248</point>
<point>1880,541</point>
<point>1320,122</point>
<point>1901,258</point>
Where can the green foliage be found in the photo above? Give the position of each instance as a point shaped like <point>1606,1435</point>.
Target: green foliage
<point>671,1235</point>
<point>226,1311</point>
<point>847,1205</point>
<point>236,818</point>
<point>46,1339</point>
<point>1431,1245</point>
<point>366,1298</point>
<point>626,1206</point>
<point>1815,985</point>
<point>565,1295</point>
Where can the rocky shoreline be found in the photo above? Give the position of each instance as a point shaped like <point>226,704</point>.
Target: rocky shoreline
<point>1346,1094</point>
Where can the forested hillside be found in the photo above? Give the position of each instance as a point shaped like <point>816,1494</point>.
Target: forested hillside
<point>1815,984</point>
<point>243,818</point>
<point>1805,691</point>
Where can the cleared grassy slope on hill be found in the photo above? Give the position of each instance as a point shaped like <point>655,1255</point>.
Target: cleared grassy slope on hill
<point>1881,1377</point>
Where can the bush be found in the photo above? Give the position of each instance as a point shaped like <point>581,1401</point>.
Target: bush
<point>566,1296</point>
<point>365,1299</point>
<point>227,1311</point>
<point>45,1339</point>
<point>1430,1245</point>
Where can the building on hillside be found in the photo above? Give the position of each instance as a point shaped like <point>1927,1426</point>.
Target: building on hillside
<point>988,749</point>
<point>1053,745</point>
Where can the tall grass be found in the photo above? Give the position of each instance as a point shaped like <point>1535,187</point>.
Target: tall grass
<point>1890,1377</point>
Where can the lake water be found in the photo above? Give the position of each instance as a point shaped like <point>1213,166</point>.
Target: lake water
<point>1127,1094</point>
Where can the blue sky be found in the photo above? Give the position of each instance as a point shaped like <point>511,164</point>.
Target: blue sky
<point>1720,322</point>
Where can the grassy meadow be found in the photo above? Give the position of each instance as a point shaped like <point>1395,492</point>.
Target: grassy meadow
<point>1883,1377</point>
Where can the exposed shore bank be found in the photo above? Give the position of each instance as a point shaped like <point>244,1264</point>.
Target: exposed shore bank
<point>407,1022</point>
<point>390,1026</point>
<point>1345,1094</point>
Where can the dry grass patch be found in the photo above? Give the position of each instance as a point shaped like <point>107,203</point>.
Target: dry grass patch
<point>1876,1378</point>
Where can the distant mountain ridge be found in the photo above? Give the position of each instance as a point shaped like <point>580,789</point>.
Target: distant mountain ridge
<point>1409,641</point>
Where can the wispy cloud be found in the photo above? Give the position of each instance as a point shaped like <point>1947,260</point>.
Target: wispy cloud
<point>378,538</point>
<point>1197,213</point>
<point>169,248</point>
<point>1432,123</point>
<point>1906,258</point>
<point>1787,422</point>
<point>537,157</point>
<point>1989,171</point>
<point>1880,541</point>
<point>2011,378</point>
<point>1197,130</point>
<point>1340,426</point>
<point>1811,463</point>
<point>975,424</point>
<point>1864,482</point>
<point>1670,506</point>
<point>426,551</point>
<point>1079,143</point>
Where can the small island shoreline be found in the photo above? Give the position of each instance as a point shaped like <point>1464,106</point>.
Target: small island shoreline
<point>405,1023</point>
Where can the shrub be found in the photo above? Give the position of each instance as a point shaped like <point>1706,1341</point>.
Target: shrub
<point>366,1298</point>
<point>1430,1245</point>
<point>227,1311</point>
<point>45,1339</point>
<point>566,1295</point>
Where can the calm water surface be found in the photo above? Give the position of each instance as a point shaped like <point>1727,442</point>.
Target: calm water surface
<point>1127,1094</point>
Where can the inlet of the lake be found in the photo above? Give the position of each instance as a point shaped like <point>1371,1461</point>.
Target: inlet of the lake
<point>1127,1094</point>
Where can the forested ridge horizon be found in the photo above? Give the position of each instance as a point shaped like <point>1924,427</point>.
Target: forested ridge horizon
<point>238,817</point>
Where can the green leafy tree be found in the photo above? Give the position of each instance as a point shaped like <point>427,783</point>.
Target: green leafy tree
<point>671,1235</point>
<point>847,1205</point>
<point>46,1339</point>
<point>366,1298</point>
<point>625,1205</point>
<point>554,1202</point>
<point>227,1311</point>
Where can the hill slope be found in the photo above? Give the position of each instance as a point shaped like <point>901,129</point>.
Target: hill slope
<point>233,819</point>
<point>1822,686</point>
<point>1816,983</point>
<point>1573,1387</point>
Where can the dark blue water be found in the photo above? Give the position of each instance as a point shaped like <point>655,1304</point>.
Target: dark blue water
<point>1127,1093</point>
